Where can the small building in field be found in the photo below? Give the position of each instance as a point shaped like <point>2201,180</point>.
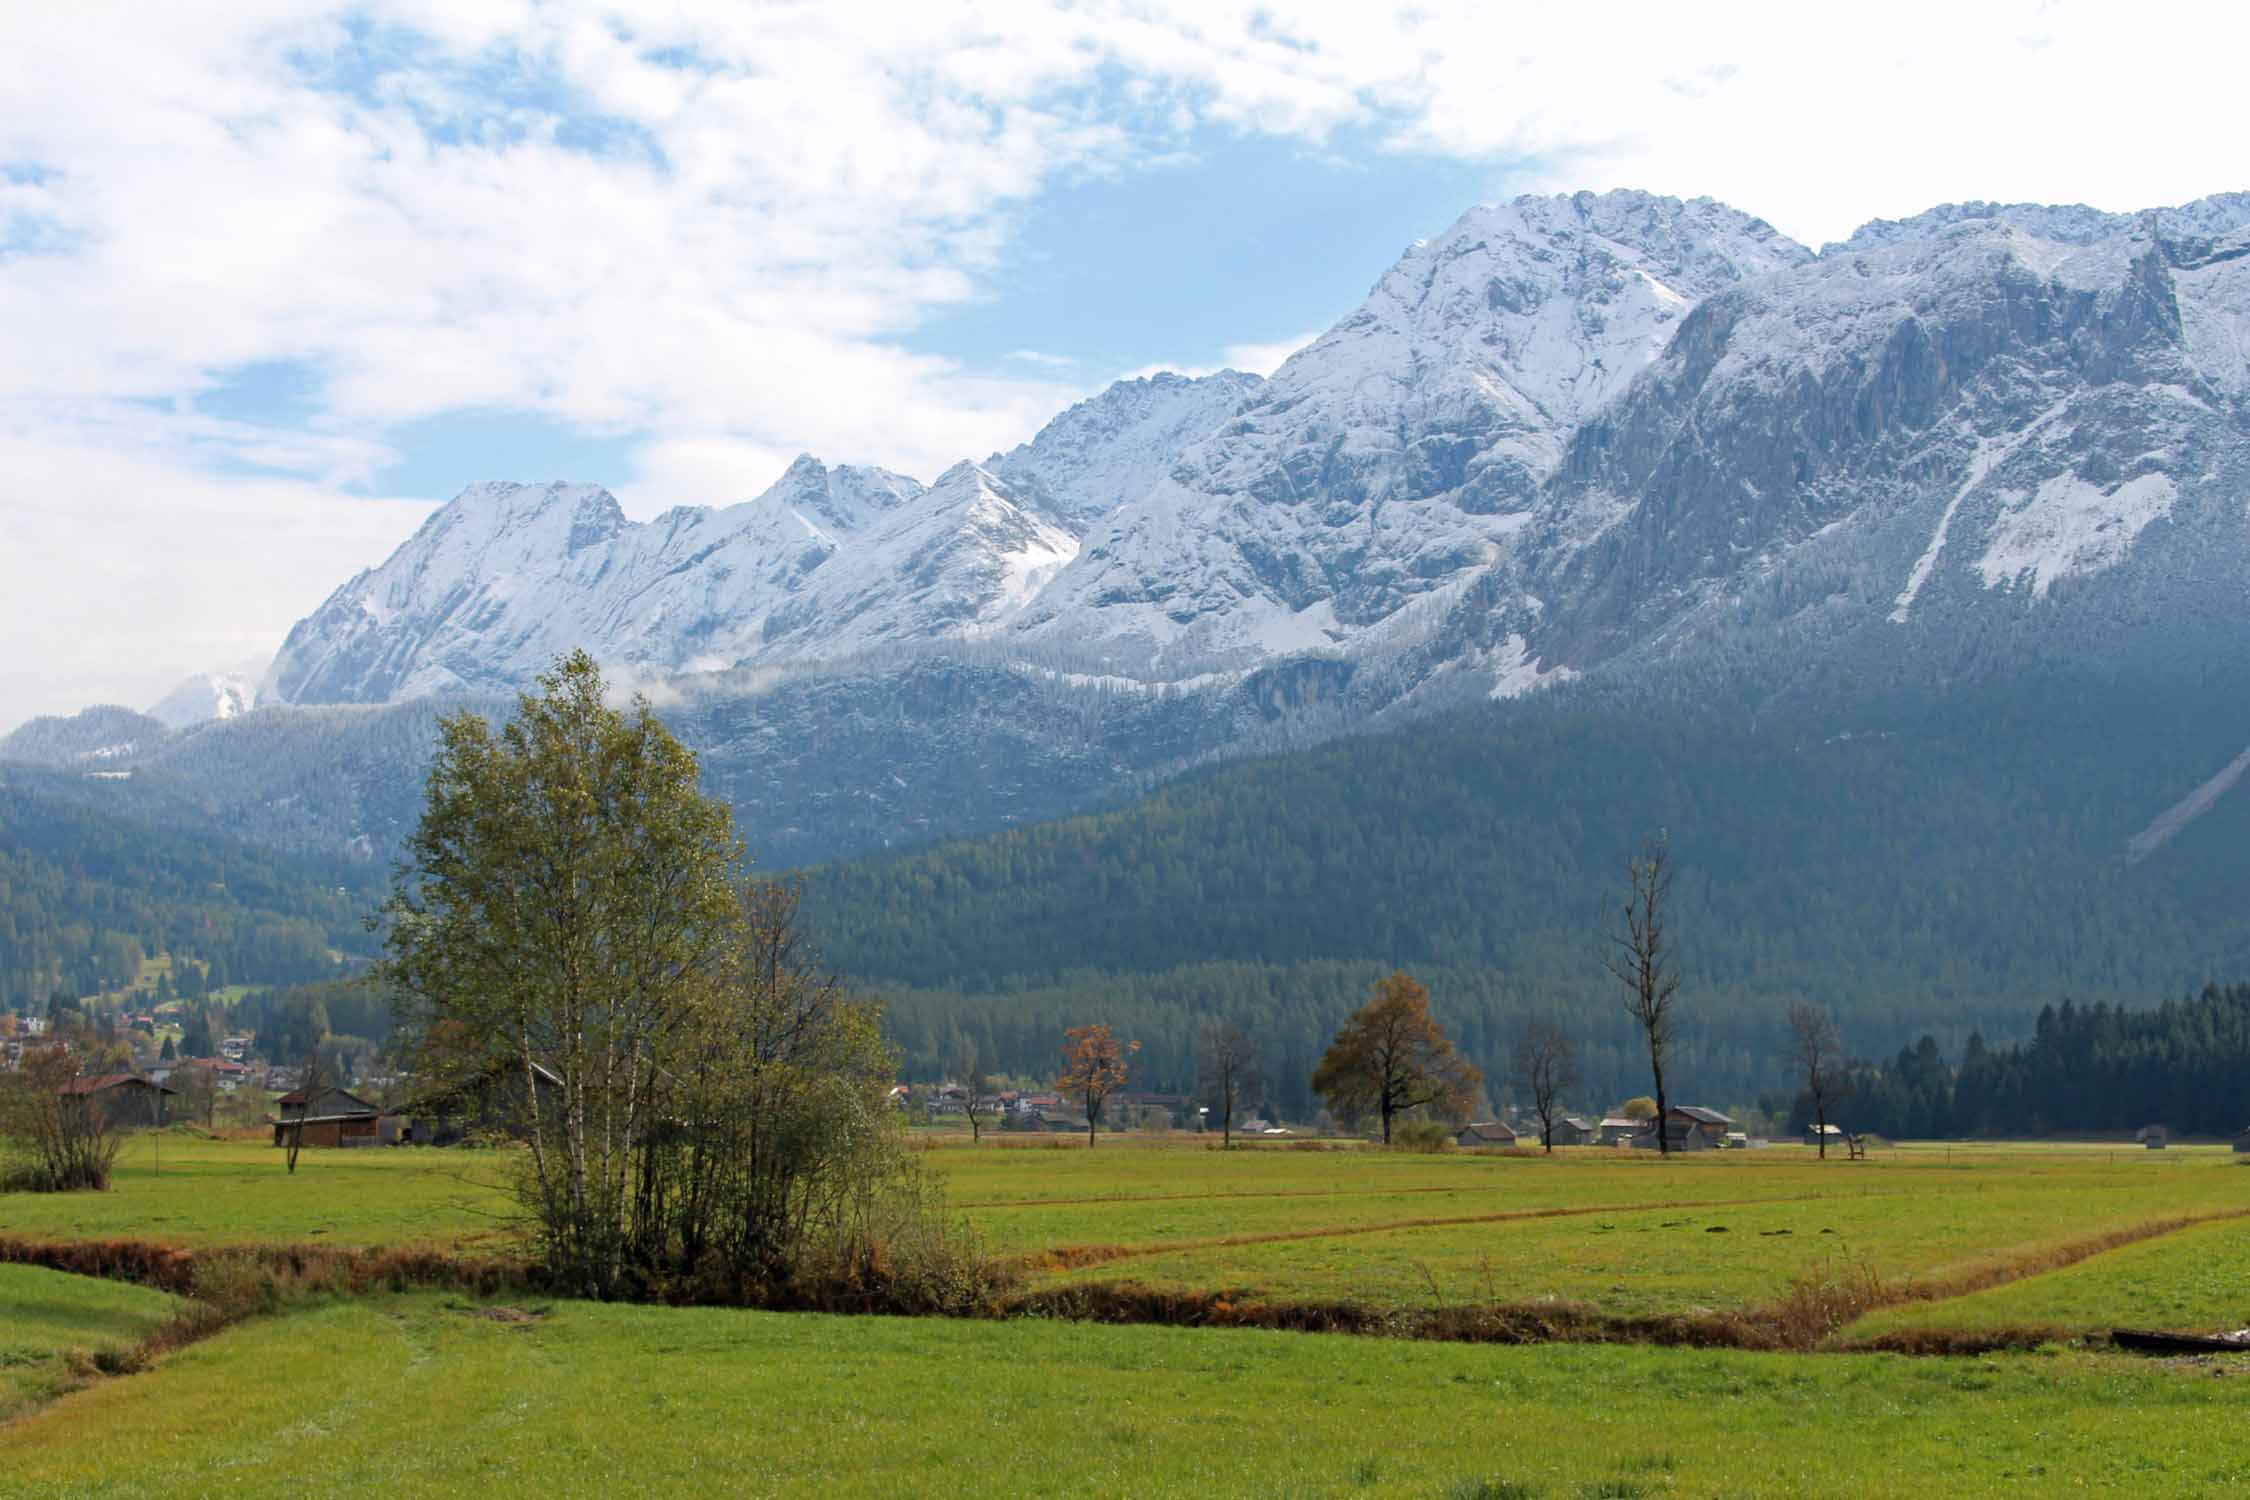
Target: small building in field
<point>2242,1142</point>
<point>1617,1129</point>
<point>2155,1137</point>
<point>1836,1136</point>
<point>1486,1133</point>
<point>1687,1127</point>
<point>130,1100</point>
<point>1573,1130</point>
<point>329,1117</point>
<point>494,1102</point>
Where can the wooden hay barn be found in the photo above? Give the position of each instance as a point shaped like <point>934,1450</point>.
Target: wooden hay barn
<point>329,1118</point>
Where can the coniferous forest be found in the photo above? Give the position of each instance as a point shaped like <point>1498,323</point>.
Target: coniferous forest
<point>85,896</point>
<point>1946,869</point>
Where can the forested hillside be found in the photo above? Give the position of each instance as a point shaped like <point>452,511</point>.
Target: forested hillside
<point>2184,1064</point>
<point>86,894</point>
<point>1943,867</point>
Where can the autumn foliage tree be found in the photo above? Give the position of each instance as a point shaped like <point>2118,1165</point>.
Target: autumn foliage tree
<point>1094,1067</point>
<point>1392,1057</point>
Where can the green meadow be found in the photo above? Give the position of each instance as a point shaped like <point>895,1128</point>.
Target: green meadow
<point>53,1329</point>
<point>1624,1233</point>
<point>426,1394</point>
<point>411,1396</point>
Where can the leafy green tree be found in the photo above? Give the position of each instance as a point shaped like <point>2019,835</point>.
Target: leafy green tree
<point>567,915</point>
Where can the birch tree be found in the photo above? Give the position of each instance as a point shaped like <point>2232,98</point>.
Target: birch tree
<point>566,906</point>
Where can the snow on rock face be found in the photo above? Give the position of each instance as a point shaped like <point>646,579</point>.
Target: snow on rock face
<point>2064,224</point>
<point>1111,450</point>
<point>1566,432</point>
<point>2068,527</point>
<point>827,562</point>
<point>207,696</point>
<point>1403,447</point>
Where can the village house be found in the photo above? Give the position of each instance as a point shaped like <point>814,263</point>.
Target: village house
<point>2155,1137</point>
<point>1486,1133</point>
<point>329,1117</point>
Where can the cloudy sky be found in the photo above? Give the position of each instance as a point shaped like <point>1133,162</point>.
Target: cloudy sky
<point>275,277</point>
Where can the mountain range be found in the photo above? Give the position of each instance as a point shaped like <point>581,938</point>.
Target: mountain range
<point>1574,456</point>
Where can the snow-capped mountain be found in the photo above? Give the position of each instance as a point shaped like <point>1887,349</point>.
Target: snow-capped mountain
<point>209,695</point>
<point>1568,437</point>
<point>1400,453</point>
<point>827,562</point>
<point>1111,450</point>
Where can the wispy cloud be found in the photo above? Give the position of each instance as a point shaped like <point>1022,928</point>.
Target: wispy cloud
<point>1044,361</point>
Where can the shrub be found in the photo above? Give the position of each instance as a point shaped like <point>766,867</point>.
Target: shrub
<point>1422,1135</point>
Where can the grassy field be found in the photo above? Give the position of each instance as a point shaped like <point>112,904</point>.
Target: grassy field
<point>2195,1281</point>
<point>421,1396</point>
<point>52,1325</point>
<point>1626,1233</point>
<point>183,1189</point>
<point>424,1395</point>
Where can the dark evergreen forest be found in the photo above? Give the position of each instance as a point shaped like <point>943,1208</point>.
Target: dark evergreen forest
<point>2184,1064</point>
<point>85,895</point>
<point>1946,868</point>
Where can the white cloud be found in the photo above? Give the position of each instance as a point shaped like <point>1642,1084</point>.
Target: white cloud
<point>1264,359</point>
<point>1254,359</point>
<point>719,227</point>
<point>126,570</point>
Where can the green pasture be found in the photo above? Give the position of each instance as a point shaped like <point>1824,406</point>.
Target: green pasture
<point>180,1188</point>
<point>1625,1232</point>
<point>2195,1281</point>
<point>415,1396</point>
<point>52,1325</point>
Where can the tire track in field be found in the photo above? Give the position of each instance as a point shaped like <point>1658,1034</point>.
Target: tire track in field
<point>2010,1270</point>
<point>1075,1257</point>
<point>1109,1198</point>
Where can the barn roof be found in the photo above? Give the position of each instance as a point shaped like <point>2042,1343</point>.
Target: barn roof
<point>95,1083</point>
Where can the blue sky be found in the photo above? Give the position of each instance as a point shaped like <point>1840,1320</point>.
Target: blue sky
<point>1227,242</point>
<point>281,275</point>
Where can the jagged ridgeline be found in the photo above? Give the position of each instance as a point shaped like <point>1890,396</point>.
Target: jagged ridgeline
<point>1904,581</point>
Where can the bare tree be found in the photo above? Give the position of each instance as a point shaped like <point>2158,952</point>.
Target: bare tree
<point>318,1080</point>
<point>57,1132</point>
<point>1817,1049</point>
<point>1640,957</point>
<point>1227,1068</point>
<point>969,1069</point>
<point>1547,1066</point>
<point>198,1089</point>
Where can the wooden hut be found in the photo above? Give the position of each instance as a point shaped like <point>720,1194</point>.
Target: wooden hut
<point>328,1117</point>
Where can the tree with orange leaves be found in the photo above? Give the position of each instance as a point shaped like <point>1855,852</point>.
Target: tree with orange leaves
<point>1391,1057</point>
<point>1094,1064</point>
